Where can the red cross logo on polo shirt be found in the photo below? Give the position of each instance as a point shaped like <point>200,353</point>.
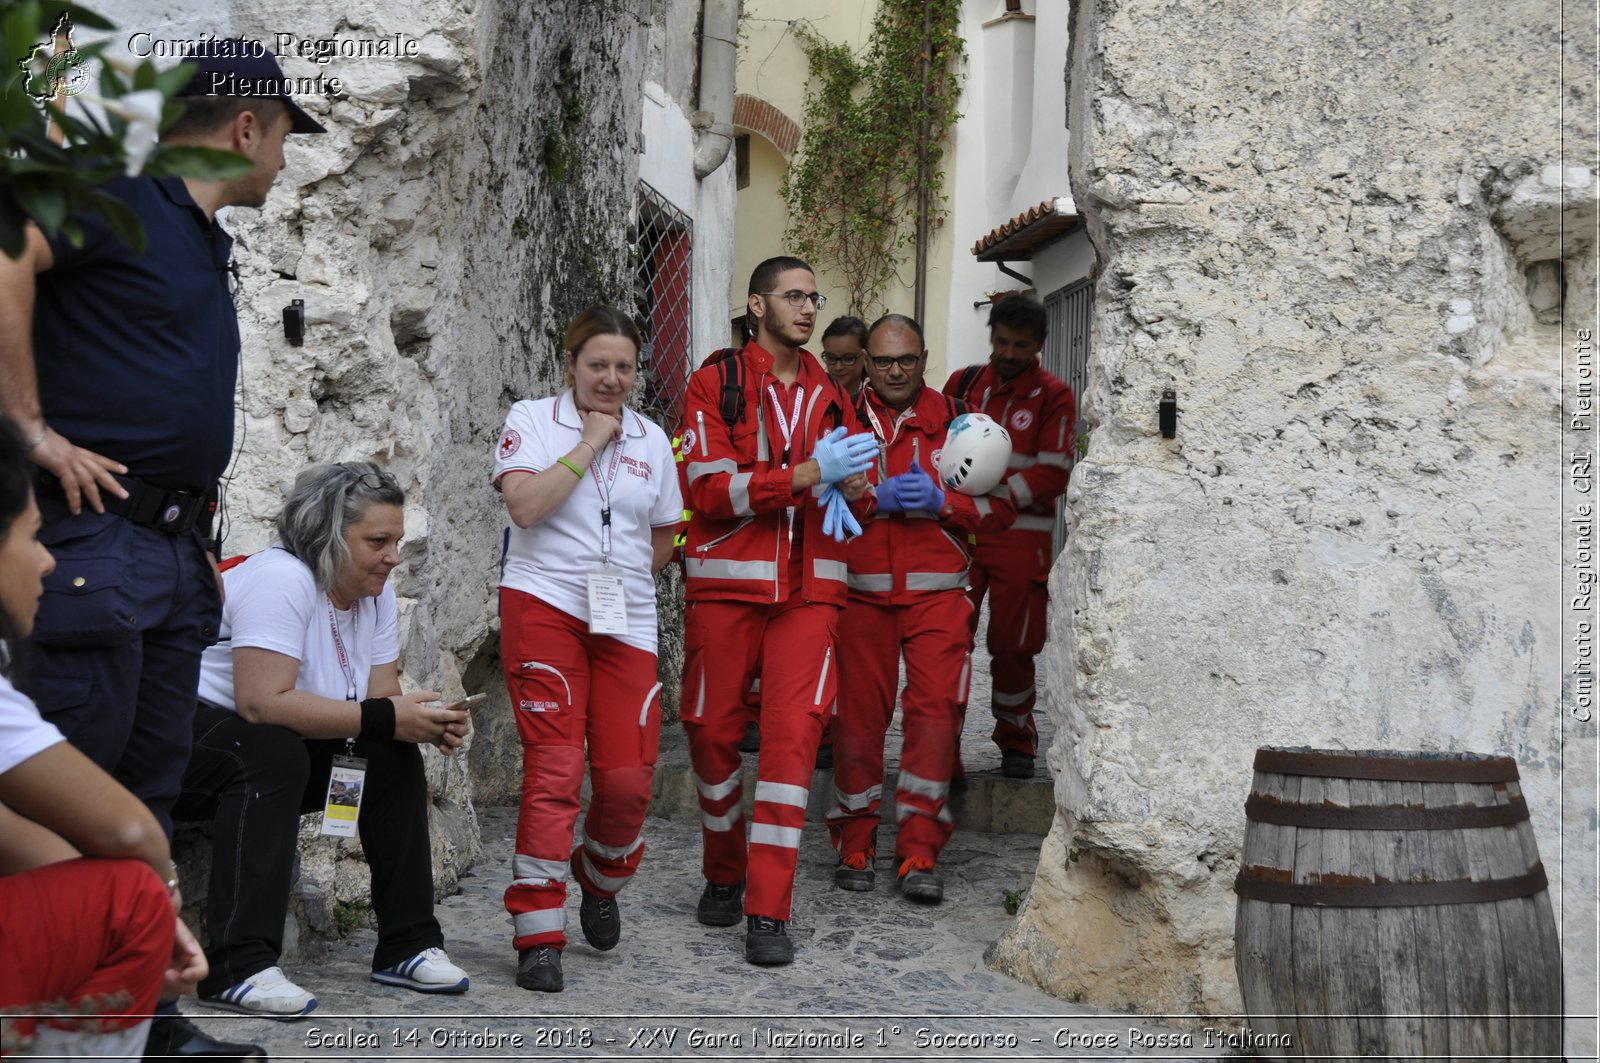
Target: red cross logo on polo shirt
<point>509,443</point>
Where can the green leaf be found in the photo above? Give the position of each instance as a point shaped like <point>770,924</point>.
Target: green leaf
<point>204,164</point>
<point>81,16</point>
<point>121,218</point>
<point>42,200</point>
<point>170,81</point>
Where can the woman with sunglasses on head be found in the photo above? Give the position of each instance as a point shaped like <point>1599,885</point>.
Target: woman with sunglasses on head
<point>88,898</point>
<point>592,491</point>
<point>844,353</point>
<point>306,670</point>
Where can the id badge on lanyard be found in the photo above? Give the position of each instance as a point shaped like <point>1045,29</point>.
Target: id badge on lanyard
<point>608,601</point>
<point>342,806</point>
<point>786,428</point>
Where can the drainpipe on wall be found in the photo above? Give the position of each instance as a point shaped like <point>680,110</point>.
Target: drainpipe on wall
<point>713,122</point>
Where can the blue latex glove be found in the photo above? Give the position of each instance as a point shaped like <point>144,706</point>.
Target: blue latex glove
<point>837,520</point>
<point>841,456</point>
<point>916,490</point>
<point>891,497</point>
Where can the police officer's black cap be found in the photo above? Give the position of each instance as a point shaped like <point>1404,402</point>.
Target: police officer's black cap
<point>235,66</point>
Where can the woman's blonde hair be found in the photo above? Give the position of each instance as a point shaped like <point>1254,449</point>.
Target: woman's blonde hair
<point>598,321</point>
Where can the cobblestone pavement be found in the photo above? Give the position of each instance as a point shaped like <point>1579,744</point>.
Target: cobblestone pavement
<point>875,976</point>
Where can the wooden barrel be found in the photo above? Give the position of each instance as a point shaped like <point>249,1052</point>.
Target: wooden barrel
<point>1393,904</point>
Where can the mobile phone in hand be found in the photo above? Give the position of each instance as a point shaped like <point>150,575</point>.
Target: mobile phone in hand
<point>472,701</point>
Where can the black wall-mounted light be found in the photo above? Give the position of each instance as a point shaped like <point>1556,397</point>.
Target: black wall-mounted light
<point>1168,412</point>
<point>294,322</point>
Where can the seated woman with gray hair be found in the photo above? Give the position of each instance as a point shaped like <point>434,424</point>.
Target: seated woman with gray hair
<point>305,670</point>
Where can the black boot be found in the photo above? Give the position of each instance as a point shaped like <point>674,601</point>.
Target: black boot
<point>539,969</point>
<point>175,1037</point>
<point>766,942</point>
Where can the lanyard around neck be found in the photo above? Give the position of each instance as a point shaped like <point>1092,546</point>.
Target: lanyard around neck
<point>602,487</point>
<point>787,427</point>
<point>338,644</point>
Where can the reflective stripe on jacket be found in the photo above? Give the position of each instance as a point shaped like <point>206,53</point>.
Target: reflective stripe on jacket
<point>901,558</point>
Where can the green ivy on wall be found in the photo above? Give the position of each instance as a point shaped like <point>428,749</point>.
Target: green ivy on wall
<point>875,125</point>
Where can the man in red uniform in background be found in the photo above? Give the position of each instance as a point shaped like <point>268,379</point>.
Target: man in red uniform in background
<point>908,582</point>
<point>1039,412</point>
<point>766,430</point>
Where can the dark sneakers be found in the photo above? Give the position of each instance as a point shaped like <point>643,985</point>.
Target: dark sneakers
<point>920,882</point>
<point>766,942</point>
<point>174,1037</point>
<point>539,969</point>
<point>720,905</point>
<point>854,872</point>
<point>599,916</point>
<point>1015,764</point>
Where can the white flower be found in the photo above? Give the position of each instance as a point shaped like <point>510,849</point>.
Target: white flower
<point>142,111</point>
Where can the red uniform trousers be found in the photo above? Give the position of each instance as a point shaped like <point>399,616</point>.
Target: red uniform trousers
<point>568,686</point>
<point>1013,567</point>
<point>723,641</point>
<point>83,938</point>
<point>934,637</point>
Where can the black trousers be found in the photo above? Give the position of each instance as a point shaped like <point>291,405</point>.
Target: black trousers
<point>253,782</point>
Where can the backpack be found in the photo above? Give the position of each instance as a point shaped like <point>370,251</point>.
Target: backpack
<point>968,377</point>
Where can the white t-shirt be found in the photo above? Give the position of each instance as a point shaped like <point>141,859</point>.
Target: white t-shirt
<point>552,559</point>
<point>23,733</point>
<point>273,604</point>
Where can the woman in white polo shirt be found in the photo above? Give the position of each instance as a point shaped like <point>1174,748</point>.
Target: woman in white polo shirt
<point>593,497</point>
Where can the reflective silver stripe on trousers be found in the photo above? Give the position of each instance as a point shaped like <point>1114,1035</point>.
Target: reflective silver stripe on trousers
<point>609,883</point>
<point>822,680</point>
<point>540,666</point>
<point>935,581</point>
<point>916,784</point>
<point>903,812</point>
<point>782,793</point>
<point>717,568</point>
<point>611,852</point>
<point>983,506</point>
<point>534,871</point>
<point>858,802</point>
<point>725,822</point>
<point>717,791</point>
<point>1059,458</point>
<point>1021,461</point>
<point>870,581</point>
<point>544,921</point>
<point>698,469</point>
<point>739,494</point>
<point>772,834</point>
<point>1033,522</point>
<point>1011,700</point>
<point>964,686</point>
<point>644,710</point>
<point>1014,721</point>
<point>823,568</point>
<point>1021,493</point>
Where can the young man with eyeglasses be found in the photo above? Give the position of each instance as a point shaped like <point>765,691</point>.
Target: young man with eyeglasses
<point>908,597</point>
<point>120,369</point>
<point>844,345</point>
<point>1040,413</point>
<point>764,439</point>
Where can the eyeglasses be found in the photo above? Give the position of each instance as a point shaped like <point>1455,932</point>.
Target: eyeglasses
<point>797,298</point>
<point>841,359</point>
<point>377,481</point>
<point>907,362</point>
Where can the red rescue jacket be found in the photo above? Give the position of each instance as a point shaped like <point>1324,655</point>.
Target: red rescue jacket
<point>1041,415</point>
<point>902,558</point>
<point>737,544</point>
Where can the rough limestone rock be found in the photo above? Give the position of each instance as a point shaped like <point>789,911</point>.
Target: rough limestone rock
<point>1333,230</point>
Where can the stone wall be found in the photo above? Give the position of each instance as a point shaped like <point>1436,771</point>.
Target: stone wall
<point>1335,230</point>
<point>462,207</point>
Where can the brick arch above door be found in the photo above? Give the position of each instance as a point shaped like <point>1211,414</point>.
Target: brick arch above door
<point>759,116</point>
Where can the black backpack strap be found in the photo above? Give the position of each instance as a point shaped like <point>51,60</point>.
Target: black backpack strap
<point>730,375</point>
<point>953,408</point>
<point>968,377</point>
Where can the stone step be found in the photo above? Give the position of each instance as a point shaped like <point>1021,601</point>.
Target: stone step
<point>992,804</point>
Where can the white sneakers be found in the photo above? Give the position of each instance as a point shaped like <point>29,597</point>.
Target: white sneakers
<point>268,994</point>
<point>429,971</point>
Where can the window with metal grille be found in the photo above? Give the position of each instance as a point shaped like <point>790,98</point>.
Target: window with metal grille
<point>1066,354</point>
<point>663,294</point>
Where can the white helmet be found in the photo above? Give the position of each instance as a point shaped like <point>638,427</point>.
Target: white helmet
<point>976,452</point>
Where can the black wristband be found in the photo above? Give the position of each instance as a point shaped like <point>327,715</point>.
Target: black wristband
<point>377,719</point>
